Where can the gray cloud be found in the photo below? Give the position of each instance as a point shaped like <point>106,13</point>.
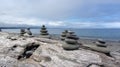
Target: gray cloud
<point>55,12</point>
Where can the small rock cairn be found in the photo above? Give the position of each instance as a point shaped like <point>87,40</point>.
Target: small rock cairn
<point>100,43</point>
<point>22,32</point>
<point>63,35</point>
<point>28,31</point>
<point>43,32</point>
<point>71,41</point>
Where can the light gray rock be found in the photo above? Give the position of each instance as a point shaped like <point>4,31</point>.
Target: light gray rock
<point>115,54</point>
<point>49,54</point>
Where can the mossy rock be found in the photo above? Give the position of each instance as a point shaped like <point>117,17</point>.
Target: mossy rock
<point>70,41</point>
<point>70,47</point>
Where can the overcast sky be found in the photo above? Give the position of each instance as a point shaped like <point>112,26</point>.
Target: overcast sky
<point>62,13</point>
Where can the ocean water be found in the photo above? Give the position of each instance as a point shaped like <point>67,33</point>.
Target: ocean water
<point>113,34</point>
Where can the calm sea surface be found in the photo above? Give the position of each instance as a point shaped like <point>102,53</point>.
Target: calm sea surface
<point>113,34</point>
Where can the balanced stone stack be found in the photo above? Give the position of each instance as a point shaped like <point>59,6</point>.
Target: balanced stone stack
<point>22,32</point>
<point>71,41</point>
<point>28,31</point>
<point>100,46</point>
<point>44,33</point>
<point>100,43</point>
<point>63,35</point>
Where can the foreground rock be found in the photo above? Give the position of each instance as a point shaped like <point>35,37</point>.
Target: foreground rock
<point>41,52</point>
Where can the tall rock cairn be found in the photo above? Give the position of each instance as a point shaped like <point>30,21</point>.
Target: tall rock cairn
<point>63,35</point>
<point>71,41</point>
<point>22,32</point>
<point>43,32</point>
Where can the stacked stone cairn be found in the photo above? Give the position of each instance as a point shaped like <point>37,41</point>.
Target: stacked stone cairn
<point>63,35</point>
<point>100,43</point>
<point>28,31</point>
<point>71,41</point>
<point>44,33</point>
<point>22,32</point>
<point>100,46</point>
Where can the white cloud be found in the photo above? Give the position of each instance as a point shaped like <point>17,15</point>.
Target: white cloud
<point>29,21</point>
<point>93,25</point>
<point>37,22</point>
<point>112,25</point>
<point>56,23</point>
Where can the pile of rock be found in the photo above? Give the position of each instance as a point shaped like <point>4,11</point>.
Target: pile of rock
<point>71,41</point>
<point>100,43</point>
<point>44,33</point>
<point>63,35</point>
<point>26,32</point>
<point>22,32</point>
<point>100,46</point>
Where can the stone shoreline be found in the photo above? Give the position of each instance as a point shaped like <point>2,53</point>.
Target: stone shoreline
<point>20,51</point>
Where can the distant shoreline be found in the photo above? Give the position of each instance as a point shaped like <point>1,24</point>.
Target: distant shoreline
<point>107,34</point>
<point>57,37</point>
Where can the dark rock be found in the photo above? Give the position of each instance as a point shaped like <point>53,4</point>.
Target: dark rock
<point>95,65</point>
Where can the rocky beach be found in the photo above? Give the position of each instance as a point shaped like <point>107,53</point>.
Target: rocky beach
<point>32,51</point>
